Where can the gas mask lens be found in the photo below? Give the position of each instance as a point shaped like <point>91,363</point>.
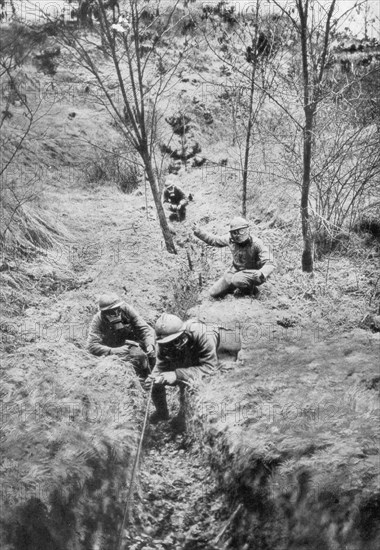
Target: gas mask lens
<point>181,341</point>
<point>175,346</point>
<point>240,235</point>
<point>237,232</point>
<point>113,316</point>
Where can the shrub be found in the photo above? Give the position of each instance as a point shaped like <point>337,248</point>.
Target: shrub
<point>112,167</point>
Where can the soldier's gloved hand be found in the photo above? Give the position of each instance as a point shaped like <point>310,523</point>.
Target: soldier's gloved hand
<point>121,351</point>
<point>150,349</point>
<point>167,378</point>
<point>257,276</point>
<point>132,343</point>
<point>151,353</point>
<point>148,382</point>
<point>173,208</point>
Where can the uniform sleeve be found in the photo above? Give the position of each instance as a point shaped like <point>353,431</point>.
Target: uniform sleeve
<point>208,360</point>
<point>265,258</point>
<point>143,331</point>
<point>182,199</point>
<point>165,196</point>
<point>95,338</point>
<point>212,240</point>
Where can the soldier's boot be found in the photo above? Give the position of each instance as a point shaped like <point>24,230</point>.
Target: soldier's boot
<point>178,423</point>
<point>159,400</point>
<point>222,287</point>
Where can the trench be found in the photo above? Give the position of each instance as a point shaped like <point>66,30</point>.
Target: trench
<point>177,503</point>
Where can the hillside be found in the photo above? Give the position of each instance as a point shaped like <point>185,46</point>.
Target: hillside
<point>280,449</point>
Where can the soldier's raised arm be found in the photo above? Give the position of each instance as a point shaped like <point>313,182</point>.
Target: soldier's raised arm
<point>209,238</point>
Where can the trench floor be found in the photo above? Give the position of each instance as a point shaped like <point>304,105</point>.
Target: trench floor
<point>182,508</point>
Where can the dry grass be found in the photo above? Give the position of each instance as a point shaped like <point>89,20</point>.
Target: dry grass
<point>68,447</point>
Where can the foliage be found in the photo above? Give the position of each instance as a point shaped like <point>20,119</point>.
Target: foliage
<point>112,167</point>
<point>24,225</point>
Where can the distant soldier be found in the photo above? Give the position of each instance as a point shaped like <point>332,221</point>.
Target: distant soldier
<point>117,329</point>
<point>186,352</point>
<point>252,260</point>
<point>175,200</point>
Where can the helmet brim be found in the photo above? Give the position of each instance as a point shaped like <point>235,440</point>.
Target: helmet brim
<point>170,337</point>
<point>240,227</point>
<point>114,305</point>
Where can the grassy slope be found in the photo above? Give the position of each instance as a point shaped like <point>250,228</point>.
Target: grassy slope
<point>293,432</point>
<point>114,243</point>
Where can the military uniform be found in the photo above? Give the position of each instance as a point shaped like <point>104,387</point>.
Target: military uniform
<point>197,359</point>
<point>176,200</point>
<point>135,333</point>
<point>247,259</point>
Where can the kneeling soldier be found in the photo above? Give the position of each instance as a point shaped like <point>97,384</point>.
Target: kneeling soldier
<point>117,329</point>
<point>175,199</point>
<point>252,261</point>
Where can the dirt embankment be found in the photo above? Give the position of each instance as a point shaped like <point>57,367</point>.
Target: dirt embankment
<point>287,433</point>
<point>280,451</point>
<point>294,446</point>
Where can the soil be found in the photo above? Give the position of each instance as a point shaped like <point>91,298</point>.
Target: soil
<point>280,447</point>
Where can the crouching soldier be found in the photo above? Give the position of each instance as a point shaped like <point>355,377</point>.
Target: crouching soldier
<point>252,261</point>
<point>174,200</point>
<point>186,352</point>
<point>117,329</point>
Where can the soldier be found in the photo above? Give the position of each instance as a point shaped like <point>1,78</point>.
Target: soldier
<point>117,329</point>
<point>252,260</point>
<point>176,200</point>
<point>186,352</point>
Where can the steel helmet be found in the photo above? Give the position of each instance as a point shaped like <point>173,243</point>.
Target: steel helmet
<point>109,301</point>
<point>238,223</point>
<point>170,181</point>
<point>168,327</point>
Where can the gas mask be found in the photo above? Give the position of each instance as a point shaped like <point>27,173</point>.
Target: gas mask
<point>240,236</point>
<point>175,347</point>
<point>113,317</point>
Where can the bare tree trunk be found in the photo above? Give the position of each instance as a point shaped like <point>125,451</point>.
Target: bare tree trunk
<point>250,117</point>
<point>309,110</point>
<point>170,247</point>
<point>248,144</point>
<point>307,254</point>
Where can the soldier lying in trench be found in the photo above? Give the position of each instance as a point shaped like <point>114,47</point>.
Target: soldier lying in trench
<point>186,352</point>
